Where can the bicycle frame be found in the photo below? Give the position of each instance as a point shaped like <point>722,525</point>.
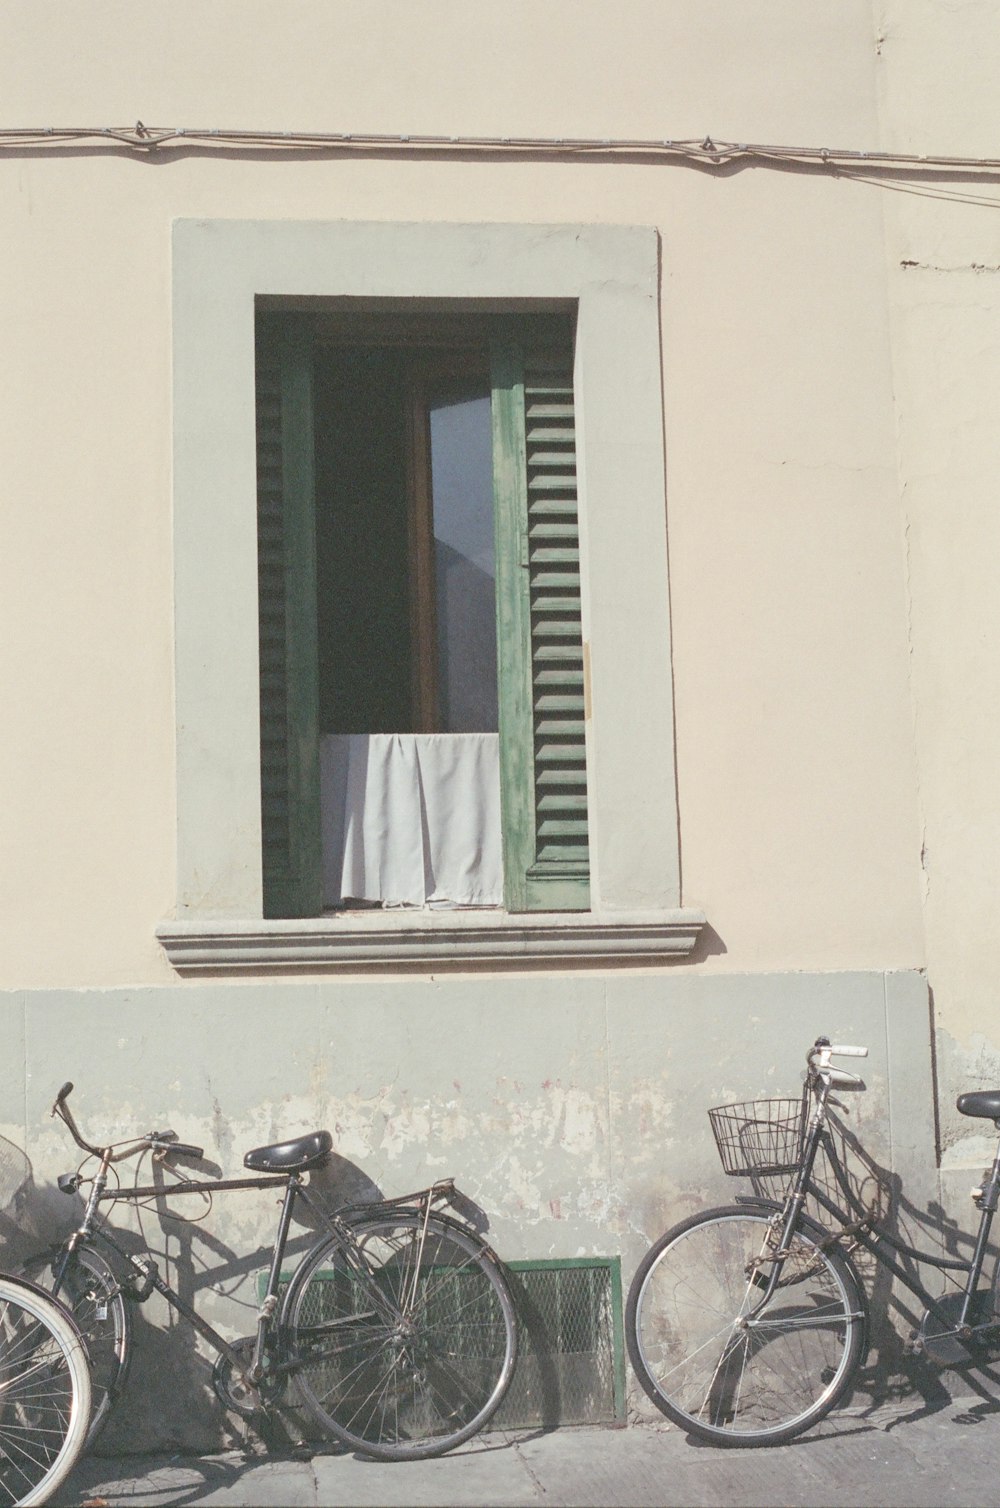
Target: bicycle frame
<point>294,1189</point>
<point>867,1232</point>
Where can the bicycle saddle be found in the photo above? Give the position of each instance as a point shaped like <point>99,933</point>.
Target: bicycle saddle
<point>985,1102</point>
<point>291,1156</point>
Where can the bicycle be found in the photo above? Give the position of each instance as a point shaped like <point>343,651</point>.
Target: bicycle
<point>44,1394</point>
<point>397,1328</point>
<point>746,1325</point>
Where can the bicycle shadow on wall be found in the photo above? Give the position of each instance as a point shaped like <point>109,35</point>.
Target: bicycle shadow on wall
<point>174,1225</point>
<point>167,1365</point>
<point>893,1372</point>
<point>180,1232</point>
<point>34,1221</point>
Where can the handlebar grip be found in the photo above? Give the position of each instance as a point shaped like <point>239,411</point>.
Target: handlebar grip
<point>166,1141</point>
<point>65,1092</point>
<point>186,1149</point>
<point>849,1052</point>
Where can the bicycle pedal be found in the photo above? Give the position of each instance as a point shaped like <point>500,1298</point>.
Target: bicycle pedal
<point>914,1346</point>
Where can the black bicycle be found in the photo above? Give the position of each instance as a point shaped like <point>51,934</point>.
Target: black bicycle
<point>396,1330</point>
<point>746,1325</point>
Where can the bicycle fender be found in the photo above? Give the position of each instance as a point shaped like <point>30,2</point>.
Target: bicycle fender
<point>359,1215</point>
<point>820,1233</point>
<point>43,1293</point>
<point>470,1233</point>
<point>102,1269</point>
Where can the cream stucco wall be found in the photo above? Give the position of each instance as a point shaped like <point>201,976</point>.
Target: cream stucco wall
<point>935,73</point>
<point>798,821</point>
<point>828,342</point>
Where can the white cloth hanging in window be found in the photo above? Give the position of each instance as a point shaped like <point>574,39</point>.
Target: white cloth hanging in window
<point>411,819</point>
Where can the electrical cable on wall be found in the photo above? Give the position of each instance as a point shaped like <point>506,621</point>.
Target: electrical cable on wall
<point>705,151</point>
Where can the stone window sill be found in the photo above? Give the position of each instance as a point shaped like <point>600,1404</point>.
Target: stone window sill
<point>398,942</point>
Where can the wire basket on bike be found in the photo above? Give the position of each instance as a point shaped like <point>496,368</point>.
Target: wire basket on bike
<point>759,1136</point>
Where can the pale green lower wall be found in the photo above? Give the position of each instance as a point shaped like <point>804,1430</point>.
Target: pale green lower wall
<point>570,1109</point>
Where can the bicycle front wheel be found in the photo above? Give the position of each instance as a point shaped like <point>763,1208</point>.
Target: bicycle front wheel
<point>44,1394</point>
<point>88,1287</point>
<point>411,1355</point>
<point>717,1364</point>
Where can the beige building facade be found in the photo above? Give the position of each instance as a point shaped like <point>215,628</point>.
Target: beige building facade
<point>785,372</point>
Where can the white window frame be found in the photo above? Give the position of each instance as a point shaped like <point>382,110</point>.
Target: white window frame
<point>611,273</point>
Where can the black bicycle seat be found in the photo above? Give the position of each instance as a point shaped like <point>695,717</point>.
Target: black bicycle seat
<point>984,1102</point>
<point>291,1156</point>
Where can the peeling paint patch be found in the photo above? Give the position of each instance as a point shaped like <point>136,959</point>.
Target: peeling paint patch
<point>974,267</point>
<point>961,1067</point>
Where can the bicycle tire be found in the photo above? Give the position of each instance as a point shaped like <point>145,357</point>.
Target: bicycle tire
<point>708,1372</point>
<point>44,1394</point>
<point>92,1293</point>
<point>419,1386</point>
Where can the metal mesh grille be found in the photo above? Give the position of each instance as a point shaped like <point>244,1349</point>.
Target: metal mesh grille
<point>452,1299</point>
<point>571,1355</point>
<point>570,1366</point>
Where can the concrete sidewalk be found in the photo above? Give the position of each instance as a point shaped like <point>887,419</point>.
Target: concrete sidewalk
<point>903,1454</point>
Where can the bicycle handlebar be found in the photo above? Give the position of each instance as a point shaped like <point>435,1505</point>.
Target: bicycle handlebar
<point>823,1050</point>
<point>65,1114</point>
<point>162,1142</point>
<point>166,1141</point>
<point>818,1059</point>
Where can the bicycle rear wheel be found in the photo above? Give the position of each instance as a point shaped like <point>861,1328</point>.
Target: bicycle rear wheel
<point>88,1288</point>
<point>713,1365</point>
<point>412,1358</point>
<point>44,1394</point>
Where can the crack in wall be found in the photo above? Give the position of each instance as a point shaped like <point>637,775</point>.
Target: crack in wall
<point>974,267</point>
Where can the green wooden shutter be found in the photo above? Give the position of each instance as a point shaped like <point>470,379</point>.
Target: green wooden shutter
<point>543,769</point>
<point>286,564</point>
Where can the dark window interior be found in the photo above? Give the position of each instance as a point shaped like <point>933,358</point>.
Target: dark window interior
<point>404,541</point>
<point>362,538</point>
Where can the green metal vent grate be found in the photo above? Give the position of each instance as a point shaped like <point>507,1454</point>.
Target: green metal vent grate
<point>571,1367</point>
<point>571,1360</point>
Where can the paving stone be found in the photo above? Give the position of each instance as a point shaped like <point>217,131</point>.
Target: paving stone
<point>909,1454</point>
<point>492,1473</point>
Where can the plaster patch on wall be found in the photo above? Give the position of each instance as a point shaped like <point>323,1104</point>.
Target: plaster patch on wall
<point>536,1153</point>
<point>963,1066</point>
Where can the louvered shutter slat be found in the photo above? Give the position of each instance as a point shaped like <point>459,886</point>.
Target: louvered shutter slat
<point>536,423</point>
<point>286,574</point>
<point>271,592</point>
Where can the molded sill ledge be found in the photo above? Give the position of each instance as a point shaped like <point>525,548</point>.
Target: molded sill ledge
<point>404,941</point>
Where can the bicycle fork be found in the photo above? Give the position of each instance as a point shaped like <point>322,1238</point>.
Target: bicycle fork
<point>789,1218</point>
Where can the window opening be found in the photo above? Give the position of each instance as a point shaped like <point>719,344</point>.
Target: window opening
<point>456,637</point>
<point>419,578</point>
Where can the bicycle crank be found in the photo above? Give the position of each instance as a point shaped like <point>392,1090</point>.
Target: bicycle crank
<point>232,1390</point>
<point>945,1345</point>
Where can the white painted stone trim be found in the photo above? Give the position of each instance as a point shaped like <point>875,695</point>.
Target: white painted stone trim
<point>611,274</point>
<point>392,941</point>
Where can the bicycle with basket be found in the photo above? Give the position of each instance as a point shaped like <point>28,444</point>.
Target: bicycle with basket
<point>746,1324</point>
